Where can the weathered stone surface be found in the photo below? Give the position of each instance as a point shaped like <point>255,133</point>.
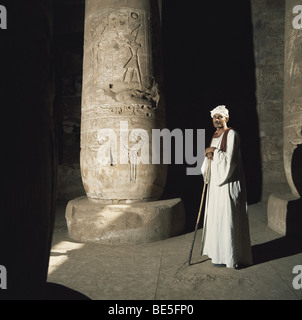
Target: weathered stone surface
<point>292,133</point>
<point>159,270</point>
<point>69,182</point>
<point>268,33</point>
<point>271,149</point>
<point>90,220</point>
<point>277,212</point>
<point>122,102</point>
<point>122,81</point>
<point>284,210</point>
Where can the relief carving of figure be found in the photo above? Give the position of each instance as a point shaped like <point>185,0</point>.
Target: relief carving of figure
<point>120,73</point>
<point>138,152</point>
<point>296,60</point>
<point>132,66</point>
<point>106,151</point>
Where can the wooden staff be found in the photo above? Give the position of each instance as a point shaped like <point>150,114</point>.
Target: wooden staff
<point>199,213</point>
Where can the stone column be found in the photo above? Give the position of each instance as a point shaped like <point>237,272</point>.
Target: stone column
<point>283,209</point>
<point>122,102</point>
<point>292,129</point>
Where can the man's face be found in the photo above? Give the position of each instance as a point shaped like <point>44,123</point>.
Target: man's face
<point>219,121</point>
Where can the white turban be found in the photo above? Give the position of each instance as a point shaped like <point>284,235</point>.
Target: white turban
<point>220,110</point>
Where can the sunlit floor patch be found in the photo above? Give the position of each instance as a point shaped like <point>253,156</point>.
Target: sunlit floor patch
<point>59,254</point>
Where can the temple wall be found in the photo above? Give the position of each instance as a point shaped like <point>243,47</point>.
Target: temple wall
<point>268,28</point>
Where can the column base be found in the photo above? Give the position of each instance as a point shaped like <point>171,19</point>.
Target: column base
<point>91,220</point>
<point>284,214</point>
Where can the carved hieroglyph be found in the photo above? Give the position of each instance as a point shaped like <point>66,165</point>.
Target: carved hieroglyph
<point>121,100</point>
<point>292,129</point>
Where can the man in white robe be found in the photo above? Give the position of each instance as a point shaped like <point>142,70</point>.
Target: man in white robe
<point>226,238</point>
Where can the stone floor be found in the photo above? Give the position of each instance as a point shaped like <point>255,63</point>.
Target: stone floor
<point>159,270</point>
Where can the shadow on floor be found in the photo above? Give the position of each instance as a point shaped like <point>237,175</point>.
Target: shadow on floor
<point>55,291</point>
<point>288,245</point>
<point>276,249</point>
<point>294,218</point>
